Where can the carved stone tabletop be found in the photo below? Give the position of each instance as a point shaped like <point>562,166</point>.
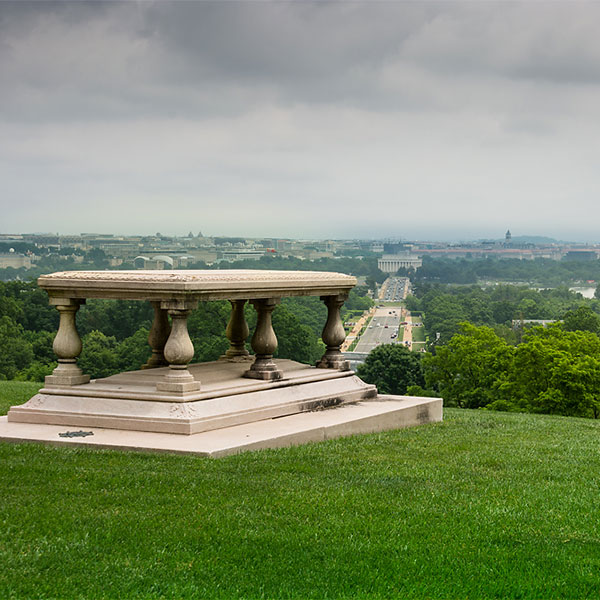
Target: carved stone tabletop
<point>195,284</point>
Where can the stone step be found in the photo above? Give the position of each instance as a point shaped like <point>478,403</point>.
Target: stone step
<point>380,414</point>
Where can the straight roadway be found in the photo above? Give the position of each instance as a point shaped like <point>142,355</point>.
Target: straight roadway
<point>383,329</point>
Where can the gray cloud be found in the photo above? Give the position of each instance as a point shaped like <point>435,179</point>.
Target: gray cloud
<point>468,116</point>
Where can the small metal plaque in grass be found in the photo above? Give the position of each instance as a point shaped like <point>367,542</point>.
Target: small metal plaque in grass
<point>72,434</point>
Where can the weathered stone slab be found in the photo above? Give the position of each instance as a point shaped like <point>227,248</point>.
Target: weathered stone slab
<point>199,285</point>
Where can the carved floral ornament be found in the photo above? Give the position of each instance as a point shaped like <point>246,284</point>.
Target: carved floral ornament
<point>183,411</point>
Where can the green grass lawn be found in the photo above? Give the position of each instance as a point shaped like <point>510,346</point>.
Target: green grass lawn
<point>16,392</point>
<point>418,334</point>
<point>390,303</point>
<point>484,505</point>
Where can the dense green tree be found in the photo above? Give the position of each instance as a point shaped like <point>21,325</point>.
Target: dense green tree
<point>554,371</point>
<point>36,371</point>
<point>443,316</point>
<point>417,390</point>
<point>309,310</point>
<point>97,257</point>
<point>582,319</point>
<point>542,271</point>
<point>528,308</point>
<point>413,303</point>
<point>98,357</point>
<point>357,300</point>
<point>503,311</point>
<point>445,306</point>
<point>468,370</point>
<point>16,352</point>
<point>206,326</point>
<point>393,368</point>
<point>28,305</point>
<point>9,306</point>
<point>115,318</point>
<point>295,341</point>
<point>446,270</point>
<point>133,351</point>
<point>371,284</point>
<point>41,344</point>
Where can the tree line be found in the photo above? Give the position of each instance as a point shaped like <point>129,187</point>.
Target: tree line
<point>539,271</point>
<point>445,307</point>
<point>553,370</point>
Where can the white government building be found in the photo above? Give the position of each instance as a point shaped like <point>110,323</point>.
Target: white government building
<point>390,263</point>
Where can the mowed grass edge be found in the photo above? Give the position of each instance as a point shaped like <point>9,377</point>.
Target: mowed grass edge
<point>484,505</point>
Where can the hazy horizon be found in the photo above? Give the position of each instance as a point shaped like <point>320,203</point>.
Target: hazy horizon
<point>435,120</point>
<point>391,239</point>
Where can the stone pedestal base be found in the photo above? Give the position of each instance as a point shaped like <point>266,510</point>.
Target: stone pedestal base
<point>178,387</point>
<point>178,381</point>
<point>60,380</point>
<point>334,363</point>
<point>67,373</point>
<point>245,358</point>
<point>264,369</point>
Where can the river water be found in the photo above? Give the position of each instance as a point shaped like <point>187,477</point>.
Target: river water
<point>586,292</point>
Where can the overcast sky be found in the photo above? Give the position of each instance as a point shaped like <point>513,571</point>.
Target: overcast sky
<point>419,120</point>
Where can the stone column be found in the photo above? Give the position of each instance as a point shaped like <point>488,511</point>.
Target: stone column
<point>237,331</point>
<point>67,345</point>
<point>157,338</point>
<point>179,350</point>
<point>333,335</point>
<point>264,342</point>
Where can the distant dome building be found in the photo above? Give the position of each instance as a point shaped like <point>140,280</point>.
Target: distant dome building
<point>508,236</point>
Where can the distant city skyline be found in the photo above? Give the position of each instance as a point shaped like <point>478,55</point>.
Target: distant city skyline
<point>441,121</point>
<point>393,239</point>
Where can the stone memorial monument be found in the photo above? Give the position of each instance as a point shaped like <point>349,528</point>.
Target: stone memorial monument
<point>242,401</point>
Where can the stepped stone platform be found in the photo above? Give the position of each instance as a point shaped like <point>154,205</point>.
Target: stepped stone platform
<point>131,401</point>
<point>239,402</point>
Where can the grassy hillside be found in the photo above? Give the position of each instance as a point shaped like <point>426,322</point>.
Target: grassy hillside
<point>16,392</point>
<point>483,505</point>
